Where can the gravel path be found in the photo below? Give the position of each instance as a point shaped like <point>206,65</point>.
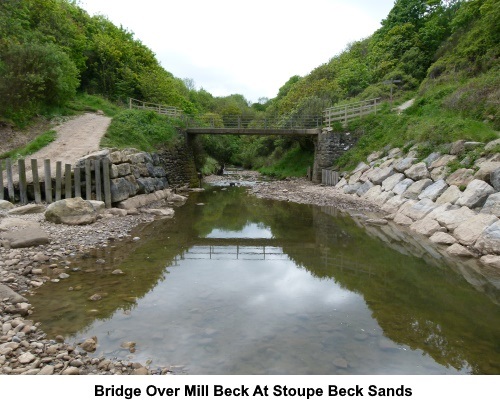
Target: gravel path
<point>76,138</point>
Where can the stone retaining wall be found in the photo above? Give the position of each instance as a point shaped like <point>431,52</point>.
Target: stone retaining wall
<point>458,210</point>
<point>132,172</point>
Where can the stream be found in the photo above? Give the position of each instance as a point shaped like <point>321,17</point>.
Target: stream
<point>239,285</point>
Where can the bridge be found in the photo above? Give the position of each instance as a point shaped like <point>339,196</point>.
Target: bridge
<point>329,145</point>
<point>211,124</point>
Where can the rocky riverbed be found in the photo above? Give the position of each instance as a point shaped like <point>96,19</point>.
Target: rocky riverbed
<point>24,347</point>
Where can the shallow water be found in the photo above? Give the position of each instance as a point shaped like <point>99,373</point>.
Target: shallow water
<point>238,285</point>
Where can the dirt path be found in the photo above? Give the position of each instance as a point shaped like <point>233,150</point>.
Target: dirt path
<point>75,138</point>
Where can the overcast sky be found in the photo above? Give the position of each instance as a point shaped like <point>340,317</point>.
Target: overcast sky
<point>250,48</point>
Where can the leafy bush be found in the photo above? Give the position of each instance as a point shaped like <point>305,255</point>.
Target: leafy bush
<point>34,75</point>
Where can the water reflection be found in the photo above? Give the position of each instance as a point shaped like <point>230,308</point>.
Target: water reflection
<point>240,285</point>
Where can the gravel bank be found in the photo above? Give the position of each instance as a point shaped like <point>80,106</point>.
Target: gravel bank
<point>24,348</point>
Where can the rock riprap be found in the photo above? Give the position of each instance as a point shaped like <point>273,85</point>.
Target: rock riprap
<point>456,208</point>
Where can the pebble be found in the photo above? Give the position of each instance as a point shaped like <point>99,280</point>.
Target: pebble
<point>24,347</point>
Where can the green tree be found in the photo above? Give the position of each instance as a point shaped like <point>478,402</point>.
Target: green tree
<point>35,74</point>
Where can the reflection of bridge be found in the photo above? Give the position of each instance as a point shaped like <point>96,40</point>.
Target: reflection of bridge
<point>271,249</point>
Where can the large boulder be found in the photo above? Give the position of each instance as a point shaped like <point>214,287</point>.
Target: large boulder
<point>460,177</point>
<point>367,185</point>
<point>457,147</point>
<point>123,188</point>
<point>486,169</point>
<point>489,240</point>
<point>27,237</point>
<point>492,205</point>
<point>6,293</point>
<point>404,164</point>
<point>145,199</point>
<point>120,170</point>
<point>434,191</point>
<point>425,226</point>
<point>354,177</point>
<point>417,210</point>
<point>361,167</point>
<point>495,179</point>
<point>352,188</point>
<point>393,204</point>
<point>389,183</point>
<point>380,174</point>
<point>27,209</point>
<point>146,185</point>
<point>469,230</point>
<point>417,172</point>
<point>416,188</point>
<point>402,186</point>
<point>451,195</point>
<point>429,160</point>
<point>373,193</point>
<point>451,219</point>
<point>476,194</point>
<point>71,211</point>
<point>442,161</point>
<point>6,205</point>
<point>440,172</point>
<point>9,223</point>
<point>443,238</point>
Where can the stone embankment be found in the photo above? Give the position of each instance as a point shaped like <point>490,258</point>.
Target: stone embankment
<point>456,208</point>
<point>450,198</point>
<point>38,238</point>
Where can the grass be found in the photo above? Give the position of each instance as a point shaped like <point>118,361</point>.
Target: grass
<point>92,103</point>
<point>210,167</point>
<point>293,164</point>
<point>35,145</point>
<point>143,130</point>
<point>426,123</point>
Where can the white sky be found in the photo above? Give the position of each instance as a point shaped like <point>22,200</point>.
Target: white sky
<point>250,48</point>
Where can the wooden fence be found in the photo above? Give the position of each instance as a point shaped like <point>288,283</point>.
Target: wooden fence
<point>159,108</point>
<point>329,177</point>
<point>344,113</point>
<point>92,182</point>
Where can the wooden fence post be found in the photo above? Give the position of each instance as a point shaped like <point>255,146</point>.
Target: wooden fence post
<point>48,182</point>
<point>78,184</point>
<point>107,183</point>
<point>67,181</point>
<point>10,180</point>
<point>88,180</point>
<point>2,196</point>
<point>58,180</point>
<point>97,168</point>
<point>23,193</point>
<point>36,181</point>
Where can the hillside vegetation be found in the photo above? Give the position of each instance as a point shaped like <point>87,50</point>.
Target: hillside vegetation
<point>56,59</point>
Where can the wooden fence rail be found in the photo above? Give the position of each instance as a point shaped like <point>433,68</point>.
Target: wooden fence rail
<point>94,176</point>
<point>329,177</point>
<point>344,113</point>
<point>159,108</point>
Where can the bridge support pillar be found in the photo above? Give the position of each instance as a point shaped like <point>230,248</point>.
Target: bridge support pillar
<point>329,146</point>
